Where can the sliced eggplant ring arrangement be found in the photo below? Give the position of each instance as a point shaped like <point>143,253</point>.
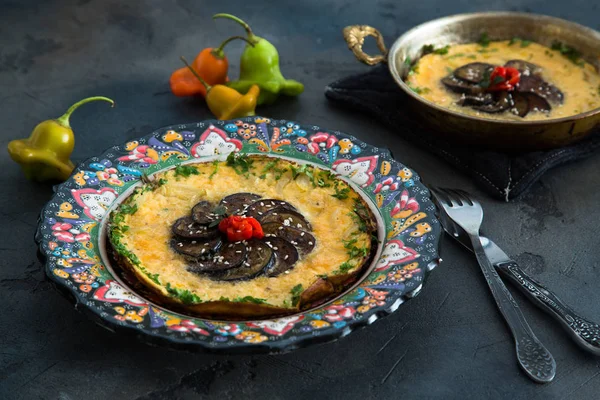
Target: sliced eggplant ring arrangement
<point>287,237</point>
<point>531,93</point>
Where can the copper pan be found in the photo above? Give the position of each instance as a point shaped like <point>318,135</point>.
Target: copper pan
<point>513,136</point>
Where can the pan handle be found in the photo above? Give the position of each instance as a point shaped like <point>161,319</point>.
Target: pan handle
<point>355,37</point>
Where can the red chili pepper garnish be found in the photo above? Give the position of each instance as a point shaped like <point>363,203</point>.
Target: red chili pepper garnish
<point>504,78</point>
<point>241,228</point>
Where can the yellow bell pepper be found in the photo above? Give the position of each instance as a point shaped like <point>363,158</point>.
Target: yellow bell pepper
<point>45,154</point>
<point>225,102</point>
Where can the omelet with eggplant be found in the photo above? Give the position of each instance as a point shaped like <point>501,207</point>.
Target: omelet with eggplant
<point>253,236</point>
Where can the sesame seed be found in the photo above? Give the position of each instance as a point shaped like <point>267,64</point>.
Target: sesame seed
<point>262,204</point>
<point>287,272</point>
<point>226,263</point>
<point>180,244</point>
<point>274,213</point>
<point>294,243</point>
<point>238,251</point>
<point>302,234</point>
<point>281,227</point>
<point>310,243</point>
<point>259,213</point>
<point>203,251</point>
<point>193,242</point>
<point>286,257</point>
<point>275,248</point>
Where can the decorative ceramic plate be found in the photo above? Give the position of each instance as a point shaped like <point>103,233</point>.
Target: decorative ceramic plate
<point>72,225</point>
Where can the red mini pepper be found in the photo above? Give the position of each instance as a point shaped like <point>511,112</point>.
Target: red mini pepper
<point>504,78</point>
<point>241,228</point>
<point>211,64</point>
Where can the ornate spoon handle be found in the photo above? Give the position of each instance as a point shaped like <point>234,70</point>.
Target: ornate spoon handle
<point>533,357</point>
<point>585,333</point>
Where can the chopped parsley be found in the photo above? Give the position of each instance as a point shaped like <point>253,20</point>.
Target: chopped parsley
<point>524,43</point>
<point>249,299</point>
<point>341,194</point>
<point>224,298</point>
<point>240,163</point>
<point>345,267</point>
<point>272,166</point>
<point>484,40</point>
<point>420,90</point>
<point>127,209</point>
<point>569,52</point>
<point>429,48</point>
<point>185,171</point>
<point>296,293</point>
<point>353,250</point>
<point>362,225</point>
<point>184,295</point>
<point>304,169</point>
<point>216,165</point>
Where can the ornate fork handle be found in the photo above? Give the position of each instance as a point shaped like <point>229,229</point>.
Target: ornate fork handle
<point>533,357</point>
<point>585,333</point>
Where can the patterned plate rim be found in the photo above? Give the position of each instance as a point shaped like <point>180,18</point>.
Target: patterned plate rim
<point>395,189</point>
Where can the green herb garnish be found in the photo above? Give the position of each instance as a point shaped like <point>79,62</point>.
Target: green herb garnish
<point>224,298</point>
<point>184,295</point>
<point>185,171</point>
<point>216,168</point>
<point>249,299</point>
<point>340,194</point>
<point>240,163</point>
<point>272,166</point>
<point>127,209</point>
<point>569,52</point>
<point>419,90</point>
<point>345,267</point>
<point>525,43</point>
<point>296,293</point>
<point>429,48</point>
<point>514,40</point>
<point>484,40</point>
<point>485,81</point>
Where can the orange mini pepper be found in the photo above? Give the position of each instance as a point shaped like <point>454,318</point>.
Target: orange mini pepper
<point>211,64</point>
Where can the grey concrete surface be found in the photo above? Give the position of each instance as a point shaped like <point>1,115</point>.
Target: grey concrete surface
<point>449,342</point>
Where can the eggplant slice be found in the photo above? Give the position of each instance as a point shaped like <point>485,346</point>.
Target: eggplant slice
<point>285,256</point>
<point>521,105</point>
<point>458,86</point>
<point>525,68</point>
<point>302,240</point>
<point>262,206</point>
<point>231,255</point>
<point>478,100</point>
<point>236,203</point>
<point>186,228</point>
<point>196,248</point>
<point>285,217</point>
<point>202,213</point>
<point>541,88</point>
<point>473,72</point>
<point>503,101</point>
<point>259,258</point>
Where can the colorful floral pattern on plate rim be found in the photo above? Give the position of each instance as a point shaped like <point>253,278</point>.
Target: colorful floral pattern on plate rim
<point>69,229</point>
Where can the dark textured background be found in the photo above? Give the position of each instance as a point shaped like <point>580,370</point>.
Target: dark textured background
<point>449,342</point>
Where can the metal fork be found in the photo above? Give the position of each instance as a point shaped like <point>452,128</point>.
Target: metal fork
<point>534,358</point>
